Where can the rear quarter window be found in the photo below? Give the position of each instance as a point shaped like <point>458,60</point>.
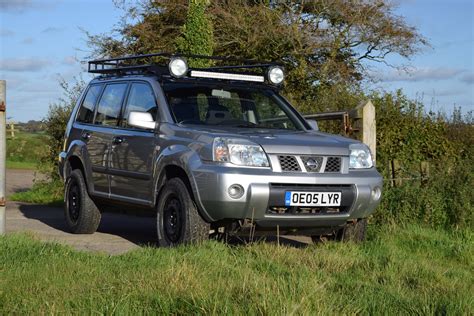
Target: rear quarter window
<point>86,111</point>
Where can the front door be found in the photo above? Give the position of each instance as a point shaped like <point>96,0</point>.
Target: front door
<point>133,150</point>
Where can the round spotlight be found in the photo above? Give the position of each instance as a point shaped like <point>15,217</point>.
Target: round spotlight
<point>236,191</point>
<point>276,75</point>
<point>178,67</point>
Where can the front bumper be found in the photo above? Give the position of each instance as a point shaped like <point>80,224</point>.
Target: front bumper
<point>263,189</point>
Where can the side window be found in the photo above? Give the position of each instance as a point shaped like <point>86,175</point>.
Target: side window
<point>140,99</point>
<point>108,110</point>
<point>86,111</point>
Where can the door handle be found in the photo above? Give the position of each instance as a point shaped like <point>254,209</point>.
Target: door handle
<point>86,135</point>
<point>118,140</point>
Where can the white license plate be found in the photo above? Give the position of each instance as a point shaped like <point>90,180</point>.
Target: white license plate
<point>295,198</point>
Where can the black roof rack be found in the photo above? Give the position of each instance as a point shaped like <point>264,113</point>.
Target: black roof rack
<point>149,63</point>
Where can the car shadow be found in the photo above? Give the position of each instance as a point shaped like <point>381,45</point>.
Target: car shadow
<point>139,230</point>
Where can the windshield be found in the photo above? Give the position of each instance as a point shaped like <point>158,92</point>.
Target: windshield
<point>224,105</point>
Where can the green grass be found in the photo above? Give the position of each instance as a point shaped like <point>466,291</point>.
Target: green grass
<point>42,192</point>
<point>21,165</point>
<point>409,270</point>
<point>24,150</point>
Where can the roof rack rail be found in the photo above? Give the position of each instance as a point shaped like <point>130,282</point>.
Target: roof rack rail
<point>131,64</point>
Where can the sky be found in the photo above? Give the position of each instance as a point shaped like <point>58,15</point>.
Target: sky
<point>42,41</point>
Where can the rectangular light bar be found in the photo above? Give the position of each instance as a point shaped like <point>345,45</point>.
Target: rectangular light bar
<point>222,75</point>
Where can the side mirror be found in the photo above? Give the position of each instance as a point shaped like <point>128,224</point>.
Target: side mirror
<point>141,120</point>
<point>313,124</point>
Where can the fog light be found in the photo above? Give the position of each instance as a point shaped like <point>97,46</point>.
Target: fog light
<point>376,192</point>
<point>235,191</point>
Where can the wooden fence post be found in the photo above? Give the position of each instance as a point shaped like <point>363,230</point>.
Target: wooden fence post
<point>424,172</point>
<point>3,151</point>
<point>12,129</point>
<point>396,173</point>
<point>365,115</point>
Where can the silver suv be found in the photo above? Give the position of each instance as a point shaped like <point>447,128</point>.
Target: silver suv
<point>210,151</point>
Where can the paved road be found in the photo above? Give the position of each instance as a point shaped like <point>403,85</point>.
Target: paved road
<point>117,233</point>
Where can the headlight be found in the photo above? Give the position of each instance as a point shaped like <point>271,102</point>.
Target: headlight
<point>239,152</point>
<point>360,157</point>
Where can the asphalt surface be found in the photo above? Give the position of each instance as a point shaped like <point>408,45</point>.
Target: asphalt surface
<point>117,233</point>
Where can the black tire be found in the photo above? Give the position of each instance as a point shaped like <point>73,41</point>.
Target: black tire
<point>351,232</point>
<point>354,231</point>
<point>178,220</point>
<point>82,215</point>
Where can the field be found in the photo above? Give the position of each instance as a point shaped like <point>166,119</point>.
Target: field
<point>24,149</point>
<point>409,270</point>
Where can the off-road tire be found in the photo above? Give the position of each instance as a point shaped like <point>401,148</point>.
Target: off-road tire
<point>178,220</point>
<point>82,215</point>
<point>354,231</point>
<point>351,232</point>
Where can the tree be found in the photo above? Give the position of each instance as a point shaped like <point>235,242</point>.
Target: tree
<point>326,46</point>
<point>197,34</point>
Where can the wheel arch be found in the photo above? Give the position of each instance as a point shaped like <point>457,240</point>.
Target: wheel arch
<point>171,171</point>
<point>74,162</point>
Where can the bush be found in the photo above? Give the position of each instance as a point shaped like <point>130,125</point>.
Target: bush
<point>444,201</point>
<point>55,125</point>
<point>409,136</point>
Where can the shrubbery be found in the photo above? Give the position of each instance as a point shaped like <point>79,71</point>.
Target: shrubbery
<point>441,196</point>
<point>445,200</point>
<point>55,125</point>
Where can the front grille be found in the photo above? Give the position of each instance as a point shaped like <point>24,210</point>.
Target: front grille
<point>289,163</point>
<point>333,164</point>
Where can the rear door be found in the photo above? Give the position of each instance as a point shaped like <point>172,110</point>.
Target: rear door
<point>83,129</point>
<point>99,135</point>
<point>133,149</point>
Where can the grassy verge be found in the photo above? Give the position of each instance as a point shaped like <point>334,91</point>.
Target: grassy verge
<point>43,192</point>
<point>409,270</point>
<point>24,149</point>
<point>21,165</point>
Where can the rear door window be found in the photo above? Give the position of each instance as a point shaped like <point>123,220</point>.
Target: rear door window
<point>110,103</point>
<point>86,111</point>
<point>140,99</point>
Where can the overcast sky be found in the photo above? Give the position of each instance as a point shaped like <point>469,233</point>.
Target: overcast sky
<point>41,40</point>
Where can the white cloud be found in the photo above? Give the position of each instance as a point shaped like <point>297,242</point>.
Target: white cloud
<point>6,32</point>
<point>15,5</point>
<point>468,78</point>
<point>28,40</point>
<point>421,74</point>
<point>20,6</point>
<point>52,29</point>
<point>70,60</point>
<point>446,92</point>
<point>23,64</point>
